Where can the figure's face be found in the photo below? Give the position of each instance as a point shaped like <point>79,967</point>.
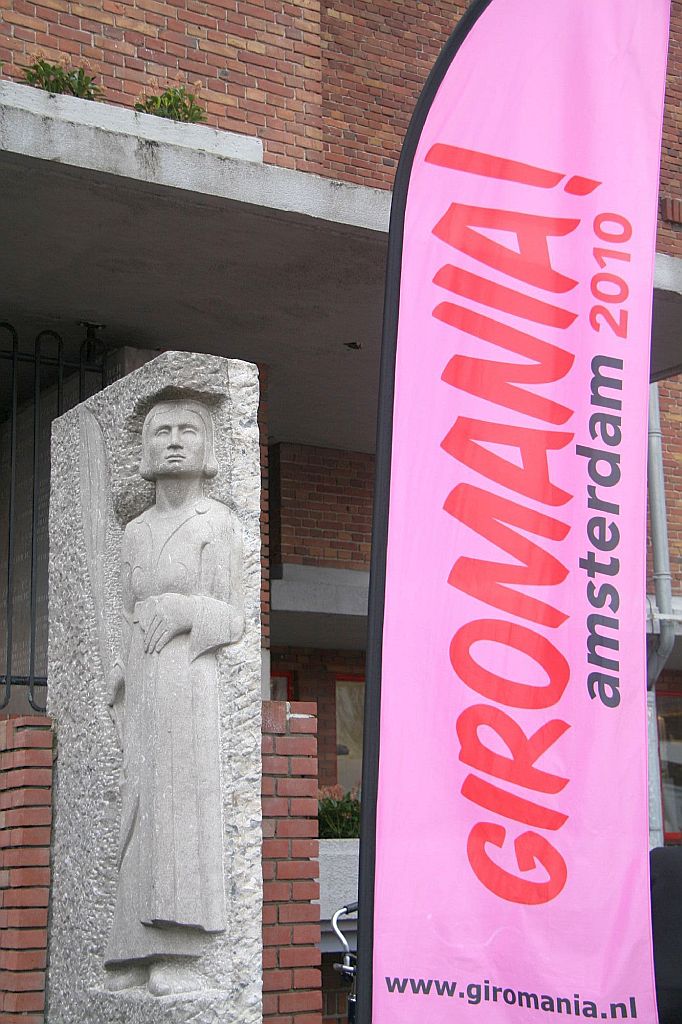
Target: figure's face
<point>176,443</point>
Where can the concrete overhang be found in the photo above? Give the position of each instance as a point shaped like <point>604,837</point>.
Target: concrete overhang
<point>193,157</point>
<point>179,236</point>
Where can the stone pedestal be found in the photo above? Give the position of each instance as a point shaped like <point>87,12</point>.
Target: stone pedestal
<point>199,644</point>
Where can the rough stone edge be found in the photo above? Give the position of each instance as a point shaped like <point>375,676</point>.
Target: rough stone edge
<point>212,1006</point>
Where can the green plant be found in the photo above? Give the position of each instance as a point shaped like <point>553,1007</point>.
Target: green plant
<point>175,103</point>
<point>61,78</point>
<point>338,813</point>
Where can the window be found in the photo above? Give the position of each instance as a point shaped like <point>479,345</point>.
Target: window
<point>669,707</point>
<point>350,700</point>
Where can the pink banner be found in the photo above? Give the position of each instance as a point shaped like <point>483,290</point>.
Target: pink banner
<point>511,867</point>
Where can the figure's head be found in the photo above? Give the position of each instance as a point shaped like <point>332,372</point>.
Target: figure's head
<point>177,441</point>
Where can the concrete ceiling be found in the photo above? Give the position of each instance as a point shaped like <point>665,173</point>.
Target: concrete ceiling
<point>174,270</point>
<point>163,268</point>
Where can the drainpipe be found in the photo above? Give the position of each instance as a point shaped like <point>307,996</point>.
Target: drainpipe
<point>661,643</point>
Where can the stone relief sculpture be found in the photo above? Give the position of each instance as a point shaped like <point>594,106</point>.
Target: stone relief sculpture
<point>181,564</point>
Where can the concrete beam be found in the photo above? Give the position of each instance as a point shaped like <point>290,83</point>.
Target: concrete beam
<point>321,608</point>
<point>115,140</point>
<point>674,662</point>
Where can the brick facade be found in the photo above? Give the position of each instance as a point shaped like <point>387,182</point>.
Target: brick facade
<point>321,502</point>
<point>375,59</point>
<point>329,88</point>
<point>25,831</point>
<point>314,673</point>
<point>291,922</point>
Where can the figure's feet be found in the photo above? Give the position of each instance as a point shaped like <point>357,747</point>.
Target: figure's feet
<point>122,978</point>
<point>166,979</point>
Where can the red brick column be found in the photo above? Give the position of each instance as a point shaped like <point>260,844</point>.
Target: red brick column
<point>25,831</point>
<point>291,923</point>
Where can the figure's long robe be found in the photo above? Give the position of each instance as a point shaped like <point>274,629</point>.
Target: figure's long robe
<point>171,876</point>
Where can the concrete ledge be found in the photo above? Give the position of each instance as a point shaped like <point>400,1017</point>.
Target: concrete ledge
<point>71,113</point>
<point>307,588</point>
<point>113,140</point>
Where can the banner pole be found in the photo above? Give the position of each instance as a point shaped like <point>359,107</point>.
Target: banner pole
<point>382,481</point>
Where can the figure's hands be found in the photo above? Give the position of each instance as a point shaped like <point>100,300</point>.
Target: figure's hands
<point>115,688</point>
<point>165,617</point>
<point>115,683</point>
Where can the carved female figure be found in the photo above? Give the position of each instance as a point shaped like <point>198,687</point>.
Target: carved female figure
<point>181,566</point>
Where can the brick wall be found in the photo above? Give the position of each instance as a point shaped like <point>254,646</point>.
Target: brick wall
<point>375,58</point>
<point>291,923</point>
<point>314,673</point>
<point>329,88</point>
<point>321,505</point>
<point>25,829</point>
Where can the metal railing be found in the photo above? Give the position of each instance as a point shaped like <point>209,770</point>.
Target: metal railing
<point>40,384</point>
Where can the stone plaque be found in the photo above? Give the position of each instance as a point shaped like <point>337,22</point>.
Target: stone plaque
<point>154,687</point>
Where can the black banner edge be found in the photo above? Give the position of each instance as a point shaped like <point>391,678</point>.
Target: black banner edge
<point>380,514</point>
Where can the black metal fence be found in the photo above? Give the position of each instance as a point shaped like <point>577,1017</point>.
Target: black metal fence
<point>38,382</point>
